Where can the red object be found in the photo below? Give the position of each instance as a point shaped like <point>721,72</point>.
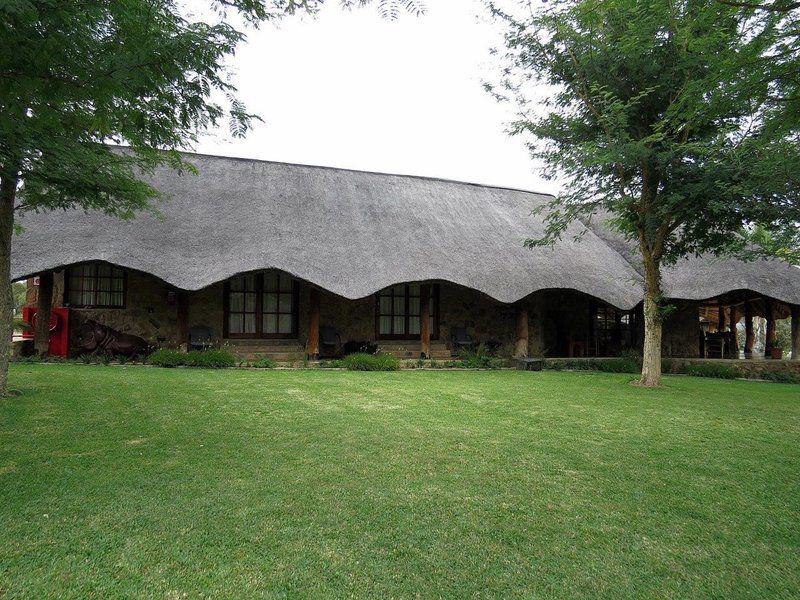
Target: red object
<point>59,329</point>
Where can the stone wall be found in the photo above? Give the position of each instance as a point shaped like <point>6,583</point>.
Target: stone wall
<point>556,317</point>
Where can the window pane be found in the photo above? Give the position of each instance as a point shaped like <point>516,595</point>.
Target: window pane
<point>271,281</point>
<point>285,304</point>
<point>116,284</point>
<point>104,284</point>
<point>236,323</point>
<point>250,303</point>
<point>118,299</point>
<point>237,284</point>
<point>413,325</point>
<point>237,302</point>
<point>104,270</point>
<point>75,297</point>
<point>386,305</point>
<point>271,303</point>
<point>104,298</point>
<point>399,290</point>
<point>286,283</point>
<point>250,282</point>
<point>413,289</point>
<point>89,270</point>
<point>249,323</point>
<point>270,324</point>
<point>285,324</point>
<point>385,325</point>
<point>413,306</point>
<point>399,325</point>
<point>87,298</point>
<point>399,305</point>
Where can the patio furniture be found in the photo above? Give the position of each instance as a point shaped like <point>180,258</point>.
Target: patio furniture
<point>329,340</point>
<point>460,339</point>
<point>199,337</point>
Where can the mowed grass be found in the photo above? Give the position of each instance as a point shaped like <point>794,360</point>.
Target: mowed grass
<point>142,482</point>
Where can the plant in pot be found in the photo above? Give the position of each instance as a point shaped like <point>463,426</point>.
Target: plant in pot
<point>782,338</point>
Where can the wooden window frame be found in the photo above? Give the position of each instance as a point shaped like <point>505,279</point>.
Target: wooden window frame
<point>259,313</point>
<point>68,276</point>
<point>434,306</point>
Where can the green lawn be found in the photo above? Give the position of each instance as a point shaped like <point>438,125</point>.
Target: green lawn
<point>141,482</point>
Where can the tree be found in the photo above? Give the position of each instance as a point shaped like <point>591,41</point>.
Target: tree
<point>658,112</point>
<point>75,75</point>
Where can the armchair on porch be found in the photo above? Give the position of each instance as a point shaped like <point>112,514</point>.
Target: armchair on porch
<point>200,337</point>
<point>329,340</point>
<point>460,339</point>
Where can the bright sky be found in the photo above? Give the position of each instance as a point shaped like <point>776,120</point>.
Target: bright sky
<point>349,89</point>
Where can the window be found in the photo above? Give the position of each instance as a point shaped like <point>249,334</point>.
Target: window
<point>399,309</point>
<point>612,330</point>
<point>95,285</point>
<point>261,305</point>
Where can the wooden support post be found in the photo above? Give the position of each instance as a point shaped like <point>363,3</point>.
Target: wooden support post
<point>182,309</point>
<point>313,324</point>
<point>795,308</point>
<point>721,319</point>
<point>734,319</point>
<point>769,342</point>
<point>425,320</point>
<point>749,338</point>
<point>521,347</point>
<point>44,302</point>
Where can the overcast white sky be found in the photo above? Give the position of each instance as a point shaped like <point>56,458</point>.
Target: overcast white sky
<point>349,89</point>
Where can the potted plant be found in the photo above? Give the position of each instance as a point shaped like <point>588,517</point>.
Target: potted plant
<point>782,340</point>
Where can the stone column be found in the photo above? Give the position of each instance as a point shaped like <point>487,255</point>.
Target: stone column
<point>44,303</point>
<point>795,308</point>
<point>182,316</point>
<point>313,324</point>
<point>769,342</point>
<point>749,338</point>
<point>734,319</point>
<point>425,320</point>
<point>521,347</point>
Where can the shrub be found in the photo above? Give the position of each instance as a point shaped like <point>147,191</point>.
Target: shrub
<point>719,371</point>
<point>361,361</point>
<point>264,363</point>
<point>210,359</point>
<point>166,357</point>
<point>781,376</point>
<point>478,358</point>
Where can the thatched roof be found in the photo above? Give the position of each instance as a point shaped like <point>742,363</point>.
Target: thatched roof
<point>350,232</point>
<point>704,277</point>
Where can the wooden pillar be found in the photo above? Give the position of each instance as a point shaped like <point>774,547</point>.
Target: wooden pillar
<point>721,319</point>
<point>734,318</point>
<point>313,324</point>
<point>749,338</point>
<point>769,342</point>
<point>44,302</point>
<point>182,308</point>
<point>425,320</point>
<point>521,347</point>
<point>795,308</point>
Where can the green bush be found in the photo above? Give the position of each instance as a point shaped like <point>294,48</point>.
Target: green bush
<point>263,363</point>
<point>166,357</point>
<point>781,376</point>
<point>206,359</point>
<point>478,358</point>
<point>361,361</point>
<point>719,371</point>
<point>210,359</point>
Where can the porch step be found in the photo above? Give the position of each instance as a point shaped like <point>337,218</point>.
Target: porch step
<point>412,349</point>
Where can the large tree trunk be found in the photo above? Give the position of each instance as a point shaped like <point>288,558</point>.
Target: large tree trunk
<point>651,355</point>
<point>8,192</point>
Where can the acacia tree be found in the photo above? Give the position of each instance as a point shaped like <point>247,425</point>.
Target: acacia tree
<point>75,75</point>
<point>659,112</point>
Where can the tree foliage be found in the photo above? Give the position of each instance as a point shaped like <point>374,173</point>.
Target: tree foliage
<point>668,114</point>
<point>76,75</point>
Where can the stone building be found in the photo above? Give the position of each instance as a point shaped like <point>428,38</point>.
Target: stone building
<point>264,256</point>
